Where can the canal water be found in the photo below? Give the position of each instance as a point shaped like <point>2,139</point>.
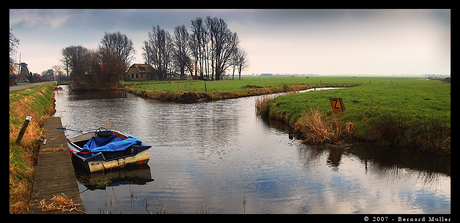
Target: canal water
<point>219,157</point>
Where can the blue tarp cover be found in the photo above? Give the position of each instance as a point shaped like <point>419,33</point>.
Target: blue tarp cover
<point>109,144</point>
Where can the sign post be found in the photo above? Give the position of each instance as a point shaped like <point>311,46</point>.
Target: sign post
<point>337,105</point>
<point>23,129</point>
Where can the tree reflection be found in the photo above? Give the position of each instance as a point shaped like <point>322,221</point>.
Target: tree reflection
<point>385,162</point>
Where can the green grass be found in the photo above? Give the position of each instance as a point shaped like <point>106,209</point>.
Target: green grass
<point>235,88</point>
<point>416,102</point>
<point>407,96</point>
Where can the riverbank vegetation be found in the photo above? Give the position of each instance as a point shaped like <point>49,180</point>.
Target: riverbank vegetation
<point>197,90</point>
<point>37,102</point>
<point>99,69</point>
<point>408,113</point>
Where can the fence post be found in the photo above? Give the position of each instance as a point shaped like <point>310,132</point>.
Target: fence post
<point>23,129</point>
<point>370,106</point>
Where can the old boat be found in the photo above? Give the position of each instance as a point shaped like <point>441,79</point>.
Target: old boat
<point>101,149</point>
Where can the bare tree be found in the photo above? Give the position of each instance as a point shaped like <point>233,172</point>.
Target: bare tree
<point>14,42</point>
<point>242,61</point>
<point>224,44</point>
<point>193,45</point>
<point>113,66</point>
<point>181,48</point>
<point>198,43</point>
<point>158,51</point>
<point>211,49</point>
<point>65,52</point>
<point>58,71</point>
<point>120,44</point>
<point>75,58</point>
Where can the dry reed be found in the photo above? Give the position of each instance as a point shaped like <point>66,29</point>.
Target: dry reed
<point>321,130</point>
<point>62,203</point>
<point>262,107</point>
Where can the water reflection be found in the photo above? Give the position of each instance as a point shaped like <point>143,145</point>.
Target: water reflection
<point>114,177</point>
<point>222,155</point>
<point>384,162</point>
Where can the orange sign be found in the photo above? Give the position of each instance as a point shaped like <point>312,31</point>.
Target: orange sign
<point>337,105</point>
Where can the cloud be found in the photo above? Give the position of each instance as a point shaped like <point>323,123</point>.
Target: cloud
<point>40,18</point>
<point>278,41</point>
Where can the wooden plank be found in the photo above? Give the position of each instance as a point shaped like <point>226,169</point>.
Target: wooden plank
<point>54,173</point>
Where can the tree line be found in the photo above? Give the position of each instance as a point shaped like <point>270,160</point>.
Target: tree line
<point>101,68</point>
<point>209,51</point>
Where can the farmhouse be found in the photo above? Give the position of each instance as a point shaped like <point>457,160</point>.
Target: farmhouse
<point>139,72</point>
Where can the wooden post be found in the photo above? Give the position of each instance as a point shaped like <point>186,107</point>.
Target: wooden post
<point>370,106</point>
<point>205,89</point>
<point>23,129</point>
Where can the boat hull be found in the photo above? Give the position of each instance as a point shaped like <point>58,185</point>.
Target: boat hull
<point>137,154</point>
<point>101,165</point>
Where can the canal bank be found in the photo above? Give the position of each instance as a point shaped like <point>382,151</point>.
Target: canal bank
<point>38,103</point>
<point>190,91</point>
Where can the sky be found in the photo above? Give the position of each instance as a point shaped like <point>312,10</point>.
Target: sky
<point>278,41</point>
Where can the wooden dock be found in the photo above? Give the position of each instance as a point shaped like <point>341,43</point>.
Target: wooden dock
<point>54,174</point>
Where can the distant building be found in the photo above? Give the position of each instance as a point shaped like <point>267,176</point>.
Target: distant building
<point>23,69</point>
<point>23,72</point>
<point>139,72</point>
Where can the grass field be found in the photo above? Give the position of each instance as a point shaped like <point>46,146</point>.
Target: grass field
<point>224,89</point>
<point>37,102</point>
<point>406,112</point>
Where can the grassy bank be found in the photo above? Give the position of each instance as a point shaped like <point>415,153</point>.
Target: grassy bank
<point>37,102</point>
<point>410,113</point>
<point>196,90</point>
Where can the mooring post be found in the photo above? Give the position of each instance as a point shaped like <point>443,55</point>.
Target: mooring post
<point>23,129</point>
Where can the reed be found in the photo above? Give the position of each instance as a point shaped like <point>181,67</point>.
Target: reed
<point>433,135</point>
<point>391,129</point>
<point>262,107</point>
<point>321,129</point>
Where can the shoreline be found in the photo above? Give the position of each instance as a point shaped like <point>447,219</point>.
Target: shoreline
<point>196,97</point>
<point>420,125</point>
<point>343,141</point>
